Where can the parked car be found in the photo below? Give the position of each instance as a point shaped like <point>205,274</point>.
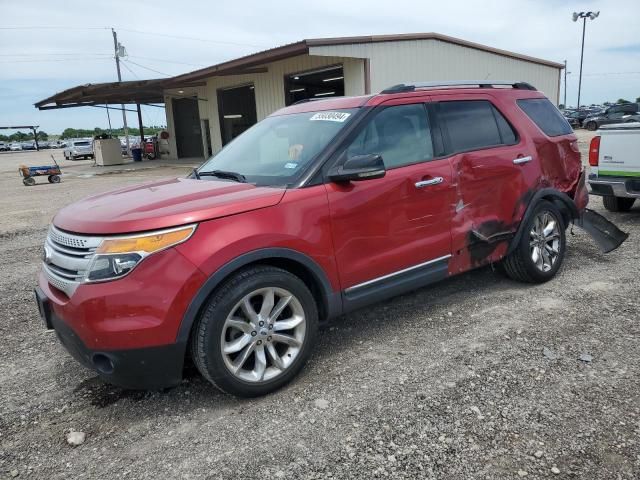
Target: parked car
<point>575,118</point>
<point>614,157</point>
<point>44,145</point>
<point>4,147</point>
<point>76,149</point>
<point>322,208</point>
<point>15,147</point>
<point>623,113</point>
<point>28,145</point>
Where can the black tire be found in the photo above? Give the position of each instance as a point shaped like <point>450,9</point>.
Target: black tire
<point>519,264</point>
<point>206,336</point>
<point>617,204</point>
<point>29,181</point>
<point>54,178</point>
<point>591,126</point>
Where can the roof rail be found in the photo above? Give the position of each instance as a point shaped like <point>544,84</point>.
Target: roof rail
<point>410,87</point>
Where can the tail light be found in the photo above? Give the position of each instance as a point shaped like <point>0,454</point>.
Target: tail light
<point>594,151</point>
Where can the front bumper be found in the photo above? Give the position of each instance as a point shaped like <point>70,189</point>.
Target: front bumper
<point>149,368</point>
<point>628,187</point>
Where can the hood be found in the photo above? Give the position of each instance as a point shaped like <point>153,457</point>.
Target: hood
<point>163,204</point>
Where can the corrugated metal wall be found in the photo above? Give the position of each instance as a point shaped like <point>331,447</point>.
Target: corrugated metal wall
<point>427,60</point>
<point>390,63</point>
<point>269,86</point>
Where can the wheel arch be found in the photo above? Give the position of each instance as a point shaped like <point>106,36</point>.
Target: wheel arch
<point>329,302</point>
<point>561,200</point>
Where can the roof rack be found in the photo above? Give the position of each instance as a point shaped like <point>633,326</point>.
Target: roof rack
<point>410,87</point>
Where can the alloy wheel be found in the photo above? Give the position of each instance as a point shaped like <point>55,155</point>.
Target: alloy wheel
<point>544,241</point>
<point>263,334</point>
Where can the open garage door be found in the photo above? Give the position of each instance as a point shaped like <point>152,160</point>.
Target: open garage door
<point>321,83</point>
<point>186,118</point>
<point>237,110</point>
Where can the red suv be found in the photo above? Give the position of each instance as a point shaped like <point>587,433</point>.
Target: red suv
<point>321,208</point>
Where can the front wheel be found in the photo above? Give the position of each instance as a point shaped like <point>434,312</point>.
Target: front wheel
<point>29,181</point>
<point>256,332</point>
<point>617,204</point>
<point>540,251</point>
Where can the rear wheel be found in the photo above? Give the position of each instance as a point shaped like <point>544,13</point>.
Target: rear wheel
<point>29,181</point>
<point>256,332</point>
<point>591,126</point>
<point>540,251</point>
<point>617,204</point>
<point>54,178</point>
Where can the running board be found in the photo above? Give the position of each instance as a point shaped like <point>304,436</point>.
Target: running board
<point>604,233</point>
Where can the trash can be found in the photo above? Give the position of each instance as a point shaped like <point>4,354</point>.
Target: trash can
<point>136,153</point>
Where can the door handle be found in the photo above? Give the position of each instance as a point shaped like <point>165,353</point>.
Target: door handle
<point>520,160</point>
<point>431,181</point>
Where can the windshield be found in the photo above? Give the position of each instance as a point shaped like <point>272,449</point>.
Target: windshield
<point>278,149</point>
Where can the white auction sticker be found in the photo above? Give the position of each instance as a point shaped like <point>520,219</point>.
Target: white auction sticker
<point>330,116</point>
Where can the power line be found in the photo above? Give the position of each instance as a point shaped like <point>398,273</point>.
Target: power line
<point>167,61</point>
<point>50,27</point>
<point>51,54</point>
<point>181,37</point>
<point>127,67</point>
<point>55,60</point>
<point>147,68</point>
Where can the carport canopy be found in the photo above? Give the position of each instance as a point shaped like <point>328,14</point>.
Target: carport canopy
<point>97,94</point>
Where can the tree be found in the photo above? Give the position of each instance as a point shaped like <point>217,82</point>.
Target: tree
<point>622,100</point>
<point>638,100</point>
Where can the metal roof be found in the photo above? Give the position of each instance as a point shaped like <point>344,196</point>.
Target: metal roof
<point>151,91</point>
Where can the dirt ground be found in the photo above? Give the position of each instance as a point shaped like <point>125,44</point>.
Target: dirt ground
<point>476,377</point>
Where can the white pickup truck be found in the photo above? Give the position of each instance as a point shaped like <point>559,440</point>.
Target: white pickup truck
<point>614,157</point>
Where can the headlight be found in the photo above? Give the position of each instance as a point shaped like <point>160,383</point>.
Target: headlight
<point>117,256</point>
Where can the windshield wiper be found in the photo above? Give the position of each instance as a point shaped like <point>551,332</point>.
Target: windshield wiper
<point>238,177</point>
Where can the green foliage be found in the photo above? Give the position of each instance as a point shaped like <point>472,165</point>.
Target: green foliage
<point>118,132</point>
<point>622,100</point>
<point>23,137</point>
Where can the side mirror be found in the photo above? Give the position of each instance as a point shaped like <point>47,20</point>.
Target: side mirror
<point>361,167</point>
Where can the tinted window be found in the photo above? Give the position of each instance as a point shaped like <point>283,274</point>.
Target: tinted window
<point>475,124</point>
<point>400,134</point>
<point>81,144</point>
<point>545,116</point>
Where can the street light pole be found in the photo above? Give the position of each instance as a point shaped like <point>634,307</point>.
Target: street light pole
<point>565,84</point>
<point>583,16</point>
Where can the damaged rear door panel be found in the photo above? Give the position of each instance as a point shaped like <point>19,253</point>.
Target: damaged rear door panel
<point>494,171</point>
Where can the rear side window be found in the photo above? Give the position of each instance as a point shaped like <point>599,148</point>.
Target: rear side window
<point>545,116</point>
<point>475,124</point>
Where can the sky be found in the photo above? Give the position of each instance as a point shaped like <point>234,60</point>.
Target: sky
<point>47,46</point>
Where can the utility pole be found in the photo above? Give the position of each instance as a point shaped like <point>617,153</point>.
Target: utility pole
<point>117,47</point>
<point>565,84</point>
<point>583,16</point>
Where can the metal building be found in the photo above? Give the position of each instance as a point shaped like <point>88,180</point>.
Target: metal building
<point>207,108</point>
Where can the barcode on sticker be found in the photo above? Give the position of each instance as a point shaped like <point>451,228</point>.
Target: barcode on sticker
<point>330,116</point>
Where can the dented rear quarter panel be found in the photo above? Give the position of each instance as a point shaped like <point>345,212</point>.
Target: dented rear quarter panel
<point>492,193</point>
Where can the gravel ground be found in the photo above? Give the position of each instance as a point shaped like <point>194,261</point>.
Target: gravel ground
<point>476,377</point>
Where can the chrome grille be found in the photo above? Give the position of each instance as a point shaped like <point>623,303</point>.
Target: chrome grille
<point>67,258</point>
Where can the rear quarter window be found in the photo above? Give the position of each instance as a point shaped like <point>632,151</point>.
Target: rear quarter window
<point>475,124</point>
<point>545,116</point>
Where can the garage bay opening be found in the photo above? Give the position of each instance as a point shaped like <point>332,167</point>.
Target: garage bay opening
<point>326,82</point>
<point>237,110</point>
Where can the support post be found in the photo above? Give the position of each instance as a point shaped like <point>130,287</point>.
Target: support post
<point>140,127</point>
<point>35,138</point>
